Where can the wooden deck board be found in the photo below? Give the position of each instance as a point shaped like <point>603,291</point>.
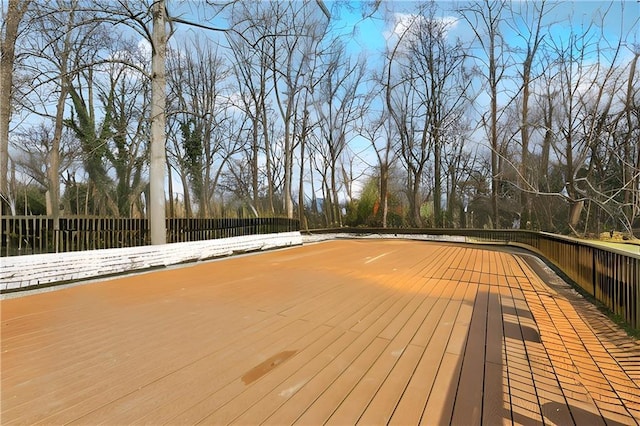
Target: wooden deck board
<point>468,407</point>
<point>382,405</point>
<point>415,397</point>
<point>137,351</point>
<point>352,408</point>
<point>276,382</point>
<point>493,401</point>
<point>374,332</point>
<point>288,388</point>
<point>93,402</point>
<point>222,383</point>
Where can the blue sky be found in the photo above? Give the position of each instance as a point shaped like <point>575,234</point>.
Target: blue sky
<point>620,18</point>
<point>366,34</point>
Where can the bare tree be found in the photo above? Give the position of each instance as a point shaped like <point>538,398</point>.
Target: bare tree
<point>94,136</point>
<point>55,54</point>
<point>584,100</point>
<point>157,213</point>
<point>425,101</point>
<point>149,19</point>
<point>129,153</point>
<point>441,82</point>
<point>485,18</point>
<point>401,103</point>
<point>339,104</point>
<point>283,39</point>
<point>299,29</point>
<point>12,18</point>
<point>630,122</point>
<point>380,133</point>
<point>527,18</point>
<point>612,174</point>
<point>459,164</point>
<point>304,131</point>
<point>200,104</point>
<point>105,98</point>
<point>33,148</point>
<point>252,65</point>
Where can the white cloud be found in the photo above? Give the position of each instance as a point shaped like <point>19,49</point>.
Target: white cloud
<point>405,25</point>
<point>144,49</point>
<point>138,57</point>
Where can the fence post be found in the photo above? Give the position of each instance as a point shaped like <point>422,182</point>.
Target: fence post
<point>593,272</point>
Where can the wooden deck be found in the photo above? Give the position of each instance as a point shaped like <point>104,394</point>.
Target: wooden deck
<point>339,332</point>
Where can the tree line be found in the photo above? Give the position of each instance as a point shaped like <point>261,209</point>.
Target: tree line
<point>527,121</point>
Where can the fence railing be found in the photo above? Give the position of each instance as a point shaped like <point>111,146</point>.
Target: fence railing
<point>610,275</point>
<point>22,235</point>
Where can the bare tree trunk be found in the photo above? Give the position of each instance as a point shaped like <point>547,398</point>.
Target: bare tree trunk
<point>186,196</point>
<point>524,159</point>
<point>267,148</point>
<point>314,199</point>
<point>532,48</point>
<point>487,17</point>
<point>303,138</point>
<point>15,11</point>
<point>326,205</point>
<point>437,184</point>
<point>172,212</point>
<point>288,171</point>
<point>54,164</point>
<point>415,204</point>
<point>301,216</point>
<point>384,196</point>
<point>54,154</point>
<point>546,142</point>
<point>336,214</point>
<point>254,163</point>
<point>576,206</point>
<point>157,214</point>
<point>494,134</point>
<point>630,178</point>
<point>452,180</point>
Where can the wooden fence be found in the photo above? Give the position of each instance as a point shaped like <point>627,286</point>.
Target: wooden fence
<point>22,235</point>
<point>611,276</point>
